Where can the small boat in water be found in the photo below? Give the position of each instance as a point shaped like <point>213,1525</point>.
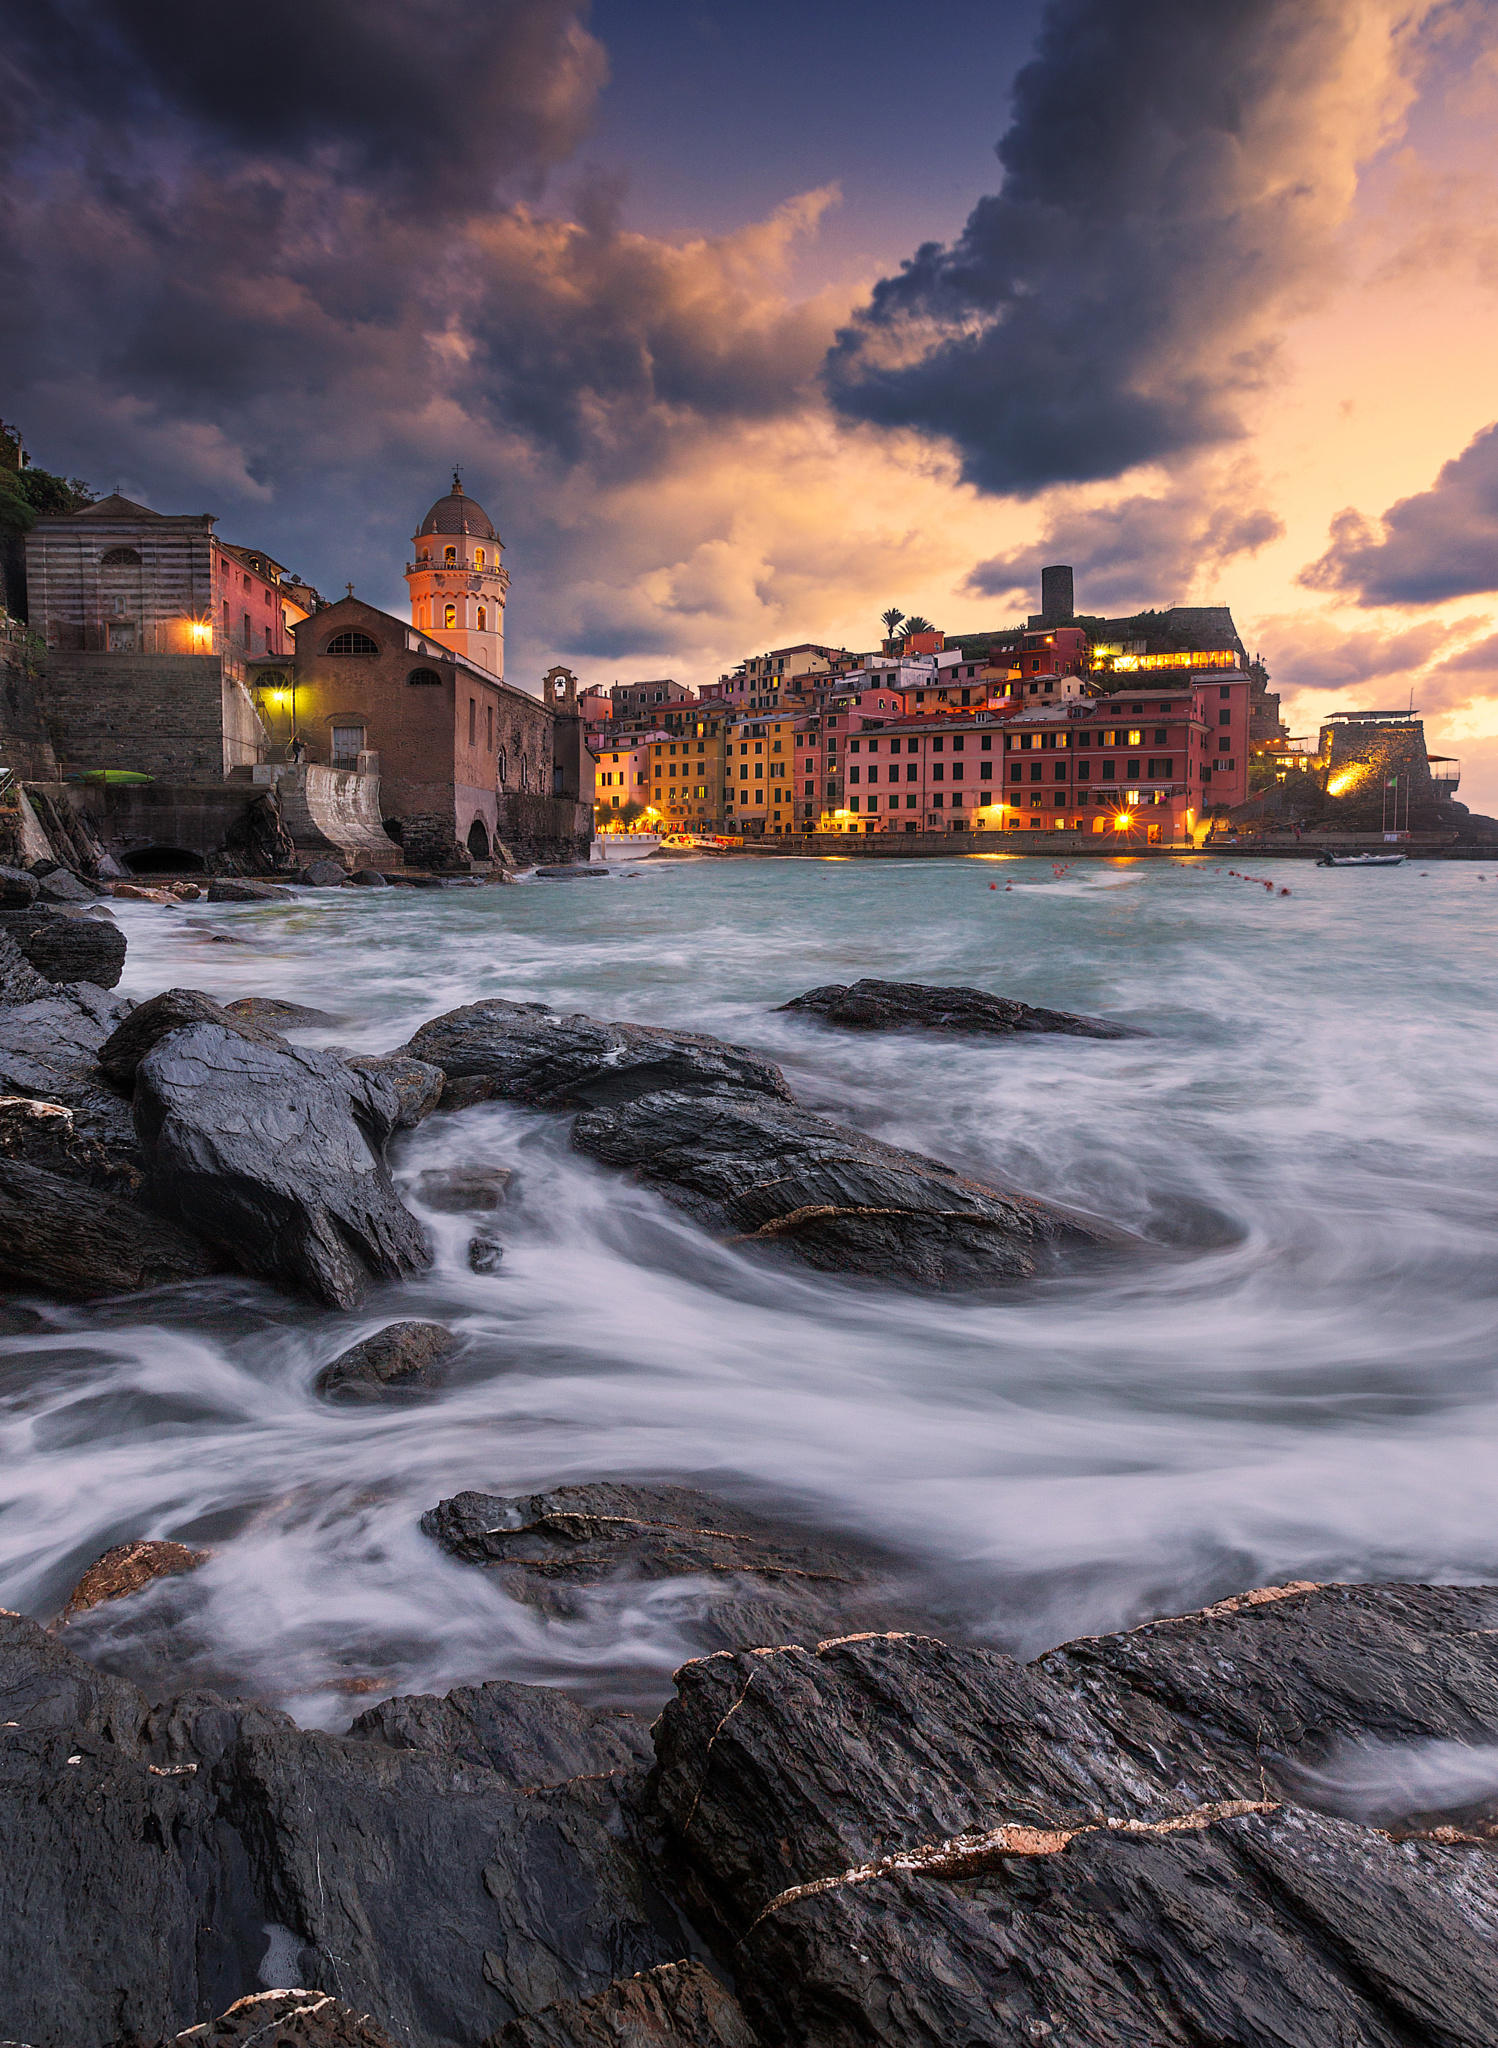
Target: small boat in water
<point>1362,860</point>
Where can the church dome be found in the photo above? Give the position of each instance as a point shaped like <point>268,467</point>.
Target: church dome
<point>458,513</point>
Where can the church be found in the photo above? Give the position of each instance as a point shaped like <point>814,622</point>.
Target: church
<point>466,762</point>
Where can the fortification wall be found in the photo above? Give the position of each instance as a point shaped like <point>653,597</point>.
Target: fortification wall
<point>177,716</point>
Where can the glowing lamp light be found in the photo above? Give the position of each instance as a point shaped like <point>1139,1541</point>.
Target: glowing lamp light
<point>200,632</point>
<point>1122,822</point>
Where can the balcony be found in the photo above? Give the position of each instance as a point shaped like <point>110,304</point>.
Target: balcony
<point>1445,774</point>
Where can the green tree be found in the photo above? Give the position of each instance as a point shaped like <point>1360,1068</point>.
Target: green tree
<point>891,619</point>
<point>27,495</point>
<point>916,624</point>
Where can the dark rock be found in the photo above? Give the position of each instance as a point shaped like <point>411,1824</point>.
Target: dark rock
<point>531,1734</point>
<point>19,980</point>
<point>484,1254</point>
<point>768,1584</point>
<point>277,1015</point>
<point>283,2019</point>
<point>572,871</point>
<point>523,1052</point>
<point>401,1358</point>
<point>417,1084</point>
<point>49,1050</point>
<point>17,888</point>
<point>272,1153</point>
<point>62,887</point>
<point>368,878</point>
<point>46,1134</point>
<point>677,2005</point>
<point>66,1237</point>
<point>323,874</point>
<point>173,1010</point>
<point>127,1568</point>
<point>107,869</point>
<point>145,1855</point>
<point>771,1173</point>
<point>888,1005</point>
<point>463,1190</point>
<point>67,949</point>
<point>231,889</point>
<point>1041,1852</point>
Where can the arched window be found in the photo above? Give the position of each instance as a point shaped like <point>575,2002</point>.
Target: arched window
<point>478,558</point>
<point>483,619</point>
<point>426,555</point>
<point>424,678</point>
<point>120,558</point>
<point>352,643</point>
<point>450,556</point>
<point>450,615</point>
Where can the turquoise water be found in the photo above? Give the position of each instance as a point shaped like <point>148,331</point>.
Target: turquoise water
<point>1292,1375</point>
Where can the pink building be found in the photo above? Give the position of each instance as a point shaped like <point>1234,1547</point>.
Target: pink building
<point>621,770</point>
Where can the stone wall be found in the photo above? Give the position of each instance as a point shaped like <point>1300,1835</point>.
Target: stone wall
<point>25,745</point>
<point>179,716</point>
<point>543,828</point>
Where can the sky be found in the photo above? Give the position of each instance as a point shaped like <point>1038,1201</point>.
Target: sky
<point>744,324</point>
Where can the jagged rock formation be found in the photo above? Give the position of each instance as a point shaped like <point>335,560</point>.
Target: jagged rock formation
<point>971,1012</point>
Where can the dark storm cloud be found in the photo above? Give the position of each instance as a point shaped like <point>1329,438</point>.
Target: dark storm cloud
<point>1441,543</point>
<point>1140,551</point>
<point>1171,176</point>
<point>441,96</point>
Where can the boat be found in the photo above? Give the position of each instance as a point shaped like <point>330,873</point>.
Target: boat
<point>1362,860</point>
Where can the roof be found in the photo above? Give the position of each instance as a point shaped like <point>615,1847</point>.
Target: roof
<point>115,507</point>
<point>458,513</point>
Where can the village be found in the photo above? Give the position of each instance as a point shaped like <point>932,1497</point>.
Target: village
<point>174,700</point>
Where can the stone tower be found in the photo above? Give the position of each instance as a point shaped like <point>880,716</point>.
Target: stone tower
<point>457,580</point>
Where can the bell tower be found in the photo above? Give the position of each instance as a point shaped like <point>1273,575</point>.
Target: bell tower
<point>457,580</point>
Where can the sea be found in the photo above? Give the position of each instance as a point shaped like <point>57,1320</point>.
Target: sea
<point>1288,1371</point>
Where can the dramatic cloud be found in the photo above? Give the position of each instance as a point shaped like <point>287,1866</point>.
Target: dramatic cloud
<point>443,98</point>
<point>1309,653</point>
<point>1440,544</point>
<point>1173,181</point>
<point>1140,550</point>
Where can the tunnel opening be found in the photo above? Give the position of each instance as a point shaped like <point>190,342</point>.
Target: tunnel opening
<point>478,840</point>
<point>164,860</point>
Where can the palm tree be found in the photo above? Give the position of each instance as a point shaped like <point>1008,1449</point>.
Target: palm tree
<point>917,625</point>
<point>891,619</point>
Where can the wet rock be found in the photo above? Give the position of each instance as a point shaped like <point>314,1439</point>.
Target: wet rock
<point>531,1734</point>
<point>323,874</point>
<point>17,889</point>
<point>401,1358</point>
<point>49,1049</point>
<point>64,948</point>
<point>368,878</point>
<point>463,1190</point>
<point>278,1015</point>
<point>572,871</point>
<point>273,1154</point>
<point>65,1237</point>
<point>523,1052</point>
<point>127,1568</point>
<point>484,1254</point>
<point>283,2019</point>
<point>232,889</point>
<point>890,1005</point>
<point>173,1010</point>
<point>1027,1859</point>
<point>46,1134</point>
<point>19,980</point>
<point>772,1174</point>
<point>62,887</point>
<point>137,892</point>
<point>768,1584</point>
<point>146,1855</point>
<point>677,2005</point>
<point>418,1085</point>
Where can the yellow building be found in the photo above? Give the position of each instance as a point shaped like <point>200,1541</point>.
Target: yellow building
<point>686,776</point>
<point>759,768</point>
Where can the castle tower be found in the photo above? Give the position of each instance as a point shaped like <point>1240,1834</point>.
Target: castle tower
<point>457,580</point>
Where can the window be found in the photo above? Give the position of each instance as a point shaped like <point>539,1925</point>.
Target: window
<point>450,557</point>
<point>483,619</point>
<point>1035,770</point>
<point>119,558</point>
<point>1133,772</point>
<point>1224,717</point>
<point>478,558</point>
<point>348,742</point>
<point>352,643</point>
<point>247,628</point>
<point>450,615</point>
<point>1134,739</point>
<point>424,678</point>
<point>488,728</point>
<point>1223,745</point>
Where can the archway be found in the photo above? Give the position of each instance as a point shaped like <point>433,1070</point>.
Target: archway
<point>163,860</point>
<point>478,840</point>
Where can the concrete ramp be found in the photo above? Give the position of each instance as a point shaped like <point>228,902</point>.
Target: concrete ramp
<point>334,811</point>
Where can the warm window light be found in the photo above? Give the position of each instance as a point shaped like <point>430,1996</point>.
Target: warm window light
<point>1122,822</point>
<point>200,632</point>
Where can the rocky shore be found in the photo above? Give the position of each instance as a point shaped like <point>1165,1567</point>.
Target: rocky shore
<point>1269,1824</point>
